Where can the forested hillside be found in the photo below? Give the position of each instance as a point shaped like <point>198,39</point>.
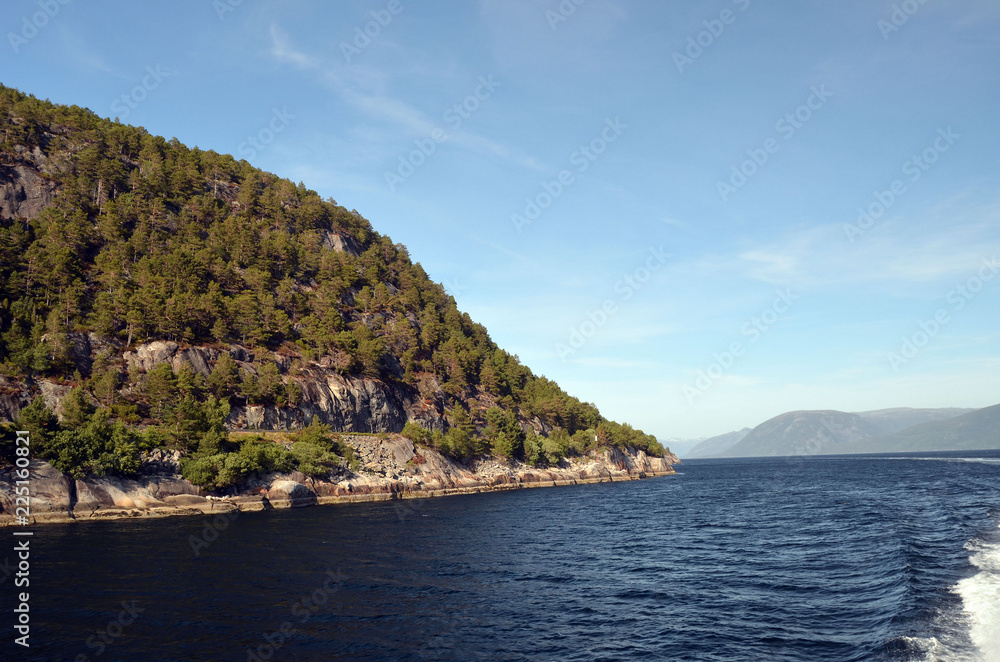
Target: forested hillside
<point>112,238</point>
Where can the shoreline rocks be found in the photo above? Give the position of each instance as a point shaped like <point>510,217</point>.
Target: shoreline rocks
<point>390,472</point>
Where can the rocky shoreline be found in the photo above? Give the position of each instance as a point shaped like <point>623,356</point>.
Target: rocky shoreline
<point>391,468</point>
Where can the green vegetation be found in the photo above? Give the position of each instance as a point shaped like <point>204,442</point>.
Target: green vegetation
<point>89,443</point>
<point>147,239</point>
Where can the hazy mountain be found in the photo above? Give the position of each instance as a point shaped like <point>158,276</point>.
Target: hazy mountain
<point>804,433</point>
<point>714,446</point>
<point>900,418</point>
<point>831,432</point>
<point>680,446</point>
<point>977,430</point>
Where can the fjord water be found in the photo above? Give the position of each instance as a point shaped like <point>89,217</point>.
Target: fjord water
<point>835,558</point>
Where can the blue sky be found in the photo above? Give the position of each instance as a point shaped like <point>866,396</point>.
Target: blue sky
<point>585,199</point>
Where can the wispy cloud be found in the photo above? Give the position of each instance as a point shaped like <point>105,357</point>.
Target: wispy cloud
<point>364,88</point>
<point>946,241</point>
<point>80,52</point>
<point>284,52</point>
<point>987,12</point>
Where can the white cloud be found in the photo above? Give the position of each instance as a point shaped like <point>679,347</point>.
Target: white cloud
<point>283,51</point>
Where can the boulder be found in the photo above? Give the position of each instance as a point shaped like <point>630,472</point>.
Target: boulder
<point>291,493</point>
<point>184,500</point>
<point>50,490</point>
<point>148,355</point>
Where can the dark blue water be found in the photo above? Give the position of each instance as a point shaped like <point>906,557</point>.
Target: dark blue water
<point>807,560</point>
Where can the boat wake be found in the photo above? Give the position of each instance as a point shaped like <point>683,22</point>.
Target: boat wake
<point>970,632</point>
<point>981,598</point>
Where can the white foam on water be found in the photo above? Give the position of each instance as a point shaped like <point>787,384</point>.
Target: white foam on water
<point>981,599</point>
<point>932,649</point>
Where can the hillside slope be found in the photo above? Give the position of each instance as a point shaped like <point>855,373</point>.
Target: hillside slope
<point>977,430</point>
<point>157,296</point>
<point>893,420</point>
<point>803,433</point>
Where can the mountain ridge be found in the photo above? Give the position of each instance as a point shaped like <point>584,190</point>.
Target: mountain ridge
<point>812,432</point>
<point>975,430</point>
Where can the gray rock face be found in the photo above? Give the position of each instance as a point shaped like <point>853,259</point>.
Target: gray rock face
<point>350,403</point>
<point>53,394</point>
<point>13,396</point>
<point>23,192</point>
<point>198,359</point>
<point>81,351</point>
<point>341,243</point>
<point>344,403</point>
<point>147,356</point>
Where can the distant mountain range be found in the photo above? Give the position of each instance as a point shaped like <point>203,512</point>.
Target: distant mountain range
<point>717,445</point>
<point>881,431</point>
<point>976,430</point>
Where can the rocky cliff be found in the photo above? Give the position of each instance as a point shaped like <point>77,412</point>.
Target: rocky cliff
<point>344,402</point>
<point>26,184</point>
<point>391,468</point>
